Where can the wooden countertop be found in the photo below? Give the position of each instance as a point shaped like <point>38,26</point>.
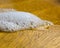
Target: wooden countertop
<point>33,38</point>
<point>49,38</point>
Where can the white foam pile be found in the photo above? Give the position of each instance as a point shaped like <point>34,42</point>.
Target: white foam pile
<point>12,20</point>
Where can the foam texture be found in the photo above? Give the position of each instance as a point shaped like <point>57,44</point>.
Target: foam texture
<point>12,20</point>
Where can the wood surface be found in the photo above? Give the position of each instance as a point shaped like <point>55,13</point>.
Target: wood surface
<point>49,38</point>
<point>45,9</point>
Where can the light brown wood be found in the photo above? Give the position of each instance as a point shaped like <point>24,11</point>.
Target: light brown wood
<point>49,38</point>
<point>45,9</point>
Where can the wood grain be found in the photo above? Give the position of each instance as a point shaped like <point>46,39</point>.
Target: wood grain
<point>49,38</point>
<point>33,38</point>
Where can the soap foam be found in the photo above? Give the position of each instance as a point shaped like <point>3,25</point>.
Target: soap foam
<point>12,20</point>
